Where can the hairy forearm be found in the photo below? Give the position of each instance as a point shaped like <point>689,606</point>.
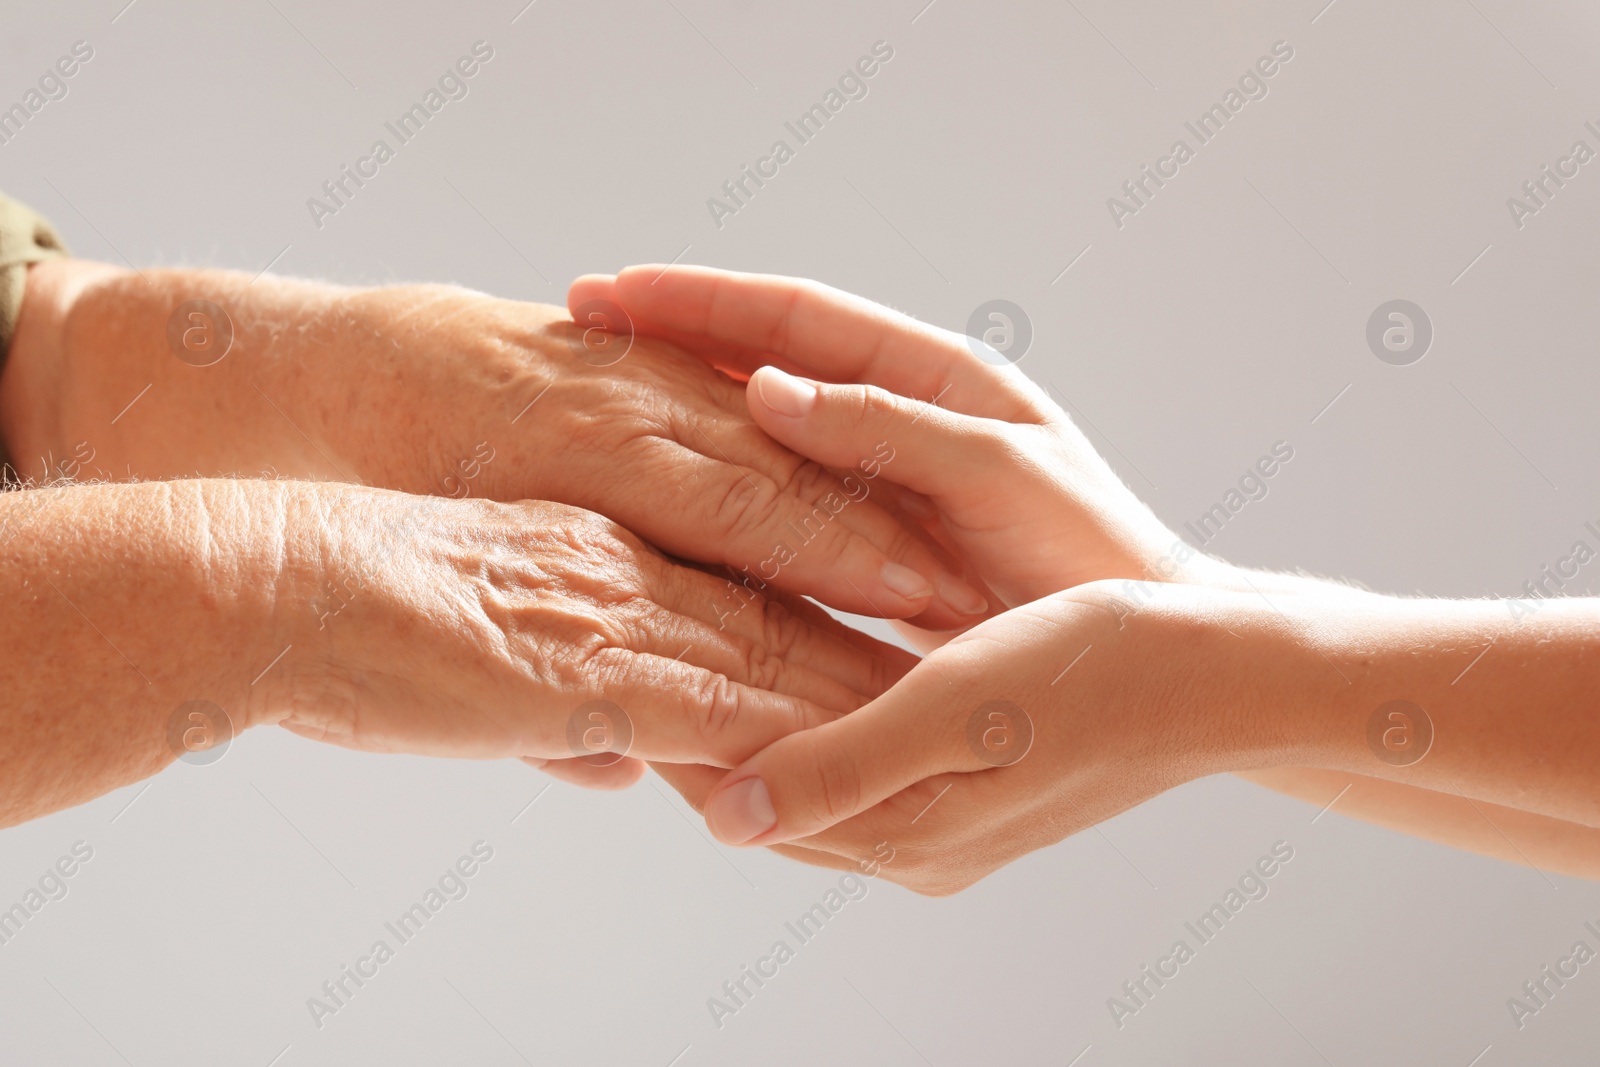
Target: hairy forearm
<point>93,388</point>
<point>105,376</point>
<point>124,603</point>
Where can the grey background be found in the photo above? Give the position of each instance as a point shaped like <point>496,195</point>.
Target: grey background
<point>1223,317</point>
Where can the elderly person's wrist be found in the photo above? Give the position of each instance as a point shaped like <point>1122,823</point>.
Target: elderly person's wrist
<point>31,374</point>
<point>145,620</point>
<point>145,373</point>
<point>448,378</point>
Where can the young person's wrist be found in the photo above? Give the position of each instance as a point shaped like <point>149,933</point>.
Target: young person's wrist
<point>1469,697</point>
<point>1221,673</point>
<point>1251,675</point>
<point>1362,683</point>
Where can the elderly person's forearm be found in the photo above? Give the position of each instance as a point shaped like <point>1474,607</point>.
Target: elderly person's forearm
<point>385,622</point>
<point>124,603</point>
<point>439,390</point>
<point>115,374</point>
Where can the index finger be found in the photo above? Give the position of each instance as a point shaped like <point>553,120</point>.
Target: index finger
<point>675,712</point>
<point>746,320</point>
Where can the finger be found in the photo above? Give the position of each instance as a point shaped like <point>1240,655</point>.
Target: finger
<point>900,662</point>
<point>775,625</point>
<point>763,505</point>
<point>752,658</point>
<point>890,662</point>
<point>693,781</point>
<point>810,781</point>
<point>851,846</point>
<point>904,524</point>
<point>733,360</point>
<point>867,834</point>
<point>811,328</point>
<point>591,773</point>
<point>931,451</point>
<point>674,712</point>
<point>792,535</point>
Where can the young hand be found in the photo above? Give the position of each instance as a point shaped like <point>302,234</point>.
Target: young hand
<point>1029,727</point>
<point>1013,485</point>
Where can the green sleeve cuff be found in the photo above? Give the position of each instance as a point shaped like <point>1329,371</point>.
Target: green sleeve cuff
<point>25,238</point>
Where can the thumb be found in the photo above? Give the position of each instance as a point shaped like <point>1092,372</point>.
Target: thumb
<point>813,779</point>
<point>918,445</point>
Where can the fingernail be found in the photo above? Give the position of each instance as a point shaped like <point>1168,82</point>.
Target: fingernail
<point>784,393</point>
<point>961,597</point>
<point>741,811</point>
<point>905,581</point>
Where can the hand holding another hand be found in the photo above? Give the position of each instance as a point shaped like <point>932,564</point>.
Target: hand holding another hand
<point>1039,722</point>
<point>1030,727</point>
<point>628,427</point>
<point>995,468</point>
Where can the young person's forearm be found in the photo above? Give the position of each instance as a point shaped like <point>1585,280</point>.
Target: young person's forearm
<point>124,603</point>
<point>1219,574</point>
<point>1509,702</point>
<point>1554,846</point>
<point>1506,833</point>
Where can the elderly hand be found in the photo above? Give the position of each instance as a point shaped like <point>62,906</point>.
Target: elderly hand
<point>152,619</point>
<point>439,390</point>
<point>516,402</point>
<point>478,629</point>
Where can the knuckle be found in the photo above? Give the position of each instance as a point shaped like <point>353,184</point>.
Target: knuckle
<point>629,623</point>
<point>781,630</point>
<point>838,784</point>
<point>868,405</point>
<point>717,708</point>
<point>603,666</point>
<point>816,513</point>
<point>762,669</point>
<point>807,480</point>
<point>901,545</point>
<point>880,676</point>
<point>749,502</point>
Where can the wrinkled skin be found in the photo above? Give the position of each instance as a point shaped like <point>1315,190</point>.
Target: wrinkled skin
<point>477,629</point>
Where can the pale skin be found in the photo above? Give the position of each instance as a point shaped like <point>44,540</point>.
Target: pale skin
<point>376,617</point>
<point>1140,668</point>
